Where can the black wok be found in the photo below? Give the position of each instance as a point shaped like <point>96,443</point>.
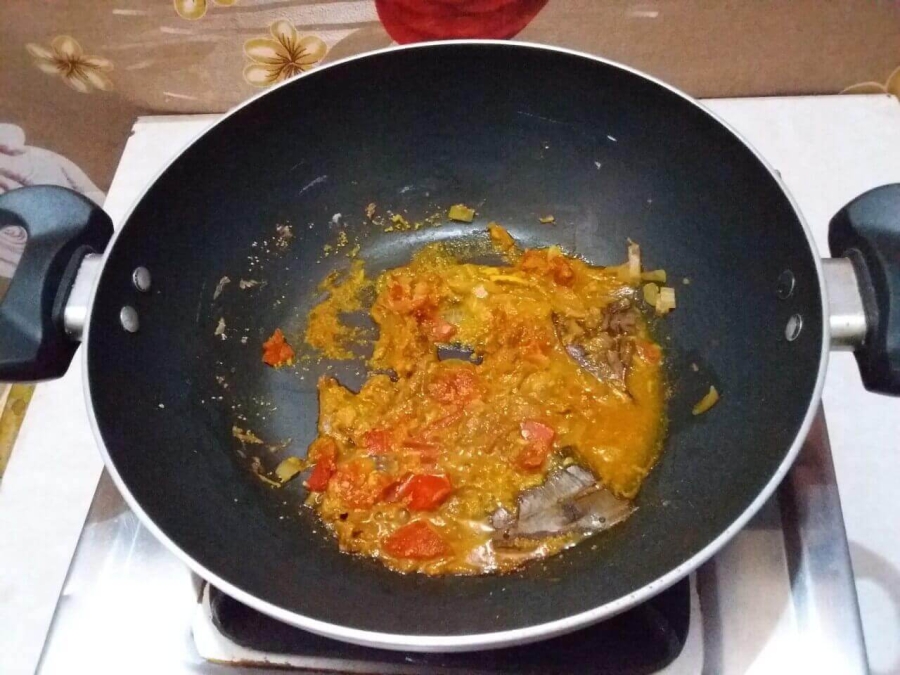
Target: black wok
<point>518,131</point>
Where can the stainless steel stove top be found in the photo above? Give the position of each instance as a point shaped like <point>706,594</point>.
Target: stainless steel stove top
<point>780,595</point>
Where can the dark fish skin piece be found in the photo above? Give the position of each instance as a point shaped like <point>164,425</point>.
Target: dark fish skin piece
<point>570,500</point>
<point>605,354</point>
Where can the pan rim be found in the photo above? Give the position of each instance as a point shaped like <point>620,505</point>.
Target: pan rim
<point>504,638</point>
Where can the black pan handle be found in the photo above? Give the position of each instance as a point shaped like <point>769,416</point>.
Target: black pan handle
<point>867,231</point>
<point>63,227</point>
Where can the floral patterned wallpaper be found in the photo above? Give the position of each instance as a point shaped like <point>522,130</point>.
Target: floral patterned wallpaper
<point>282,56</point>
<point>67,59</point>
<point>74,75</point>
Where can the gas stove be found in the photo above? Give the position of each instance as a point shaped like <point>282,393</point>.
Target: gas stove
<point>781,595</point>
<point>650,638</point>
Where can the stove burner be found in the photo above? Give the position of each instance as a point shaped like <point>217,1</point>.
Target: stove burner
<point>644,639</point>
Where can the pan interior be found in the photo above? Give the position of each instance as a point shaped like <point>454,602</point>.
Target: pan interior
<point>517,132</point>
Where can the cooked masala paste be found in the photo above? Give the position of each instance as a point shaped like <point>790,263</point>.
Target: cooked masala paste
<point>437,464</point>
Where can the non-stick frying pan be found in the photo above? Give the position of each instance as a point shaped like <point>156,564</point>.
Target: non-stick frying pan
<point>517,131</point>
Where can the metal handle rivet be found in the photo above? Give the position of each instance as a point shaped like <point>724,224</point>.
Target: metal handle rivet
<point>793,328</point>
<point>784,288</point>
<point>141,279</point>
<point>128,317</point>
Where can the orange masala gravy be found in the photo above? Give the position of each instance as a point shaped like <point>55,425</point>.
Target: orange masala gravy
<point>409,469</point>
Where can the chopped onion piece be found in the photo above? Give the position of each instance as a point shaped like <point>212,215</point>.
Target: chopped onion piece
<point>269,481</point>
<point>256,465</point>
<point>707,402</point>
<point>224,281</point>
<point>651,294</point>
<point>634,262</point>
<point>508,278</point>
<point>665,303</point>
<point>500,238</point>
<point>245,435</point>
<point>461,212</point>
<point>289,468</point>
<point>654,275</point>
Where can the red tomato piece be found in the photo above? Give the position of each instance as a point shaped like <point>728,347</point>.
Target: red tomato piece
<point>540,444</point>
<point>533,261</point>
<point>532,457</point>
<point>426,491</point>
<point>456,385</point>
<point>377,441</point>
<point>276,351</point>
<point>391,492</point>
<point>411,298</point>
<point>417,541</point>
<point>547,264</point>
<point>324,452</point>
<point>395,296</point>
<point>537,432</point>
<point>321,475</point>
<point>562,271</point>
